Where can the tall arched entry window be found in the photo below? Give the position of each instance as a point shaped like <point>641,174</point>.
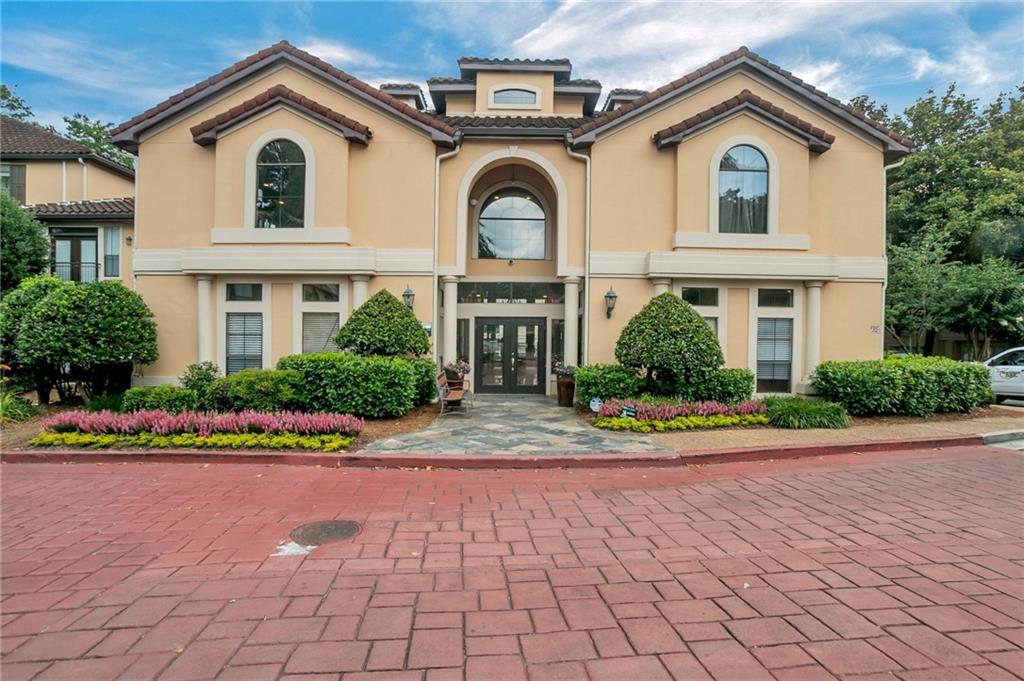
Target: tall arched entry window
<point>743,191</point>
<point>512,226</point>
<point>280,186</point>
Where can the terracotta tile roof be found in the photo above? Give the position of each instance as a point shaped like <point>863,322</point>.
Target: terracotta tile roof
<point>516,122</point>
<point>502,61</point>
<point>579,82</point>
<point>398,86</point>
<point>282,48</point>
<point>608,117</point>
<point>745,97</point>
<point>626,92</point>
<point>277,94</point>
<point>19,139</point>
<point>105,208</point>
<point>447,80</point>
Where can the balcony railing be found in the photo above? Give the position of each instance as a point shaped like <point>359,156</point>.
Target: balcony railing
<point>76,271</point>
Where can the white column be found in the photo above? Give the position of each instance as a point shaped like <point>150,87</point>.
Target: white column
<point>572,324</point>
<point>451,319</point>
<point>813,324</point>
<point>661,286</point>
<point>359,282</point>
<point>204,318</point>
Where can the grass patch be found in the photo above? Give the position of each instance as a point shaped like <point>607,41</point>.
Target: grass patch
<point>800,413</point>
<point>279,441</point>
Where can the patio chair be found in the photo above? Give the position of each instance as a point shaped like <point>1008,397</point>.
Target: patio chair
<point>455,395</point>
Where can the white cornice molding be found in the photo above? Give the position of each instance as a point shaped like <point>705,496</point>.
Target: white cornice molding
<point>256,260</point>
<point>776,242</point>
<point>737,266</point>
<point>314,235</point>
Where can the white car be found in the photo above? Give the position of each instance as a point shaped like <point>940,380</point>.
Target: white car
<point>1007,372</point>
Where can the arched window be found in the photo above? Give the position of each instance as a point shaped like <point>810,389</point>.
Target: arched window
<point>280,186</point>
<point>516,96</point>
<point>743,191</point>
<point>512,226</point>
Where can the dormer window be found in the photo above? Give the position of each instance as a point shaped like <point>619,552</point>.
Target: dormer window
<point>743,191</point>
<point>515,96</point>
<point>280,186</point>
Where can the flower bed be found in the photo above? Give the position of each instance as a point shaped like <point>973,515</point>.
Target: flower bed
<point>160,429</point>
<point>684,416</point>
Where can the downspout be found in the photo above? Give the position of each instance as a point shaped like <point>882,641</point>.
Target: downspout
<point>585,340</point>
<point>435,311</point>
<point>885,245</point>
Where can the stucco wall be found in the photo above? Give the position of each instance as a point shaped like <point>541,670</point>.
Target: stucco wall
<point>45,179</point>
<point>543,82</point>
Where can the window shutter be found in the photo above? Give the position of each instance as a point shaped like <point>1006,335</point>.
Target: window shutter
<point>318,330</point>
<point>18,183</point>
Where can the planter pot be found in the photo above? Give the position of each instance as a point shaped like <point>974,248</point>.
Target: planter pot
<point>566,391</point>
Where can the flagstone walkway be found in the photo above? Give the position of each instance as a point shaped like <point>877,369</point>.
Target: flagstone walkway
<point>500,424</point>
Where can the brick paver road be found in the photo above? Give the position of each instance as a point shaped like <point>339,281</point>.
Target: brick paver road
<point>884,566</point>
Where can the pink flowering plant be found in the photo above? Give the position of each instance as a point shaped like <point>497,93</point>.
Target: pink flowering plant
<point>204,424</point>
<point>667,412</point>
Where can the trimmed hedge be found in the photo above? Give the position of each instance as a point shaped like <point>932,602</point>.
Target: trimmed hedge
<point>680,423</point>
<point>800,413</point>
<point>425,373</point>
<point>911,384</point>
<point>374,387</point>
<point>607,381</point>
<point>258,390</point>
<point>383,325</point>
<point>169,398</point>
<point>721,385</point>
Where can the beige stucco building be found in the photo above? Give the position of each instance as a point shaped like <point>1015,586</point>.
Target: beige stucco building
<point>275,196</point>
<point>85,200</point>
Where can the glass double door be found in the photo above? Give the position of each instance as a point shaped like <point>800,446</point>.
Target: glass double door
<point>510,355</point>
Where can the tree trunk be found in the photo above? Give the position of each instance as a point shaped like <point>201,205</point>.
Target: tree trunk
<point>929,343</point>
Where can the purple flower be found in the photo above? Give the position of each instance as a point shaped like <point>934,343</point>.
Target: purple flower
<point>204,424</point>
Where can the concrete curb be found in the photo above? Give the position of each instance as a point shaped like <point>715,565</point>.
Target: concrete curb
<point>1002,436</point>
<point>494,461</point>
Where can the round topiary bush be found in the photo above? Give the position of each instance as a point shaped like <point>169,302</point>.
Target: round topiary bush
<point>383,325</point>
<point>671,344</point>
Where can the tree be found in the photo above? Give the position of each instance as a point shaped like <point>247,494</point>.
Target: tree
<point>986,300</point>
<point>14,309</point>
<point>383,325</point>
<point>12,105</point>
<point>98,329</point>
<point>671,344</point>
<point>917,299</point>
<point>95,134</point>
<point>24,247</point>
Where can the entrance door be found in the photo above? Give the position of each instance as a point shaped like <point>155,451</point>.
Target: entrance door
<point>510,355</point>
<point>75,255</point>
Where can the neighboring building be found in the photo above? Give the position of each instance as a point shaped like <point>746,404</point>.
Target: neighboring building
<point>276,195</point>
<point>86,200</point>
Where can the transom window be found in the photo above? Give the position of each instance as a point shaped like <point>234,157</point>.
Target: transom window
<point>743,191</point>
<point>280,186</point>
<point>516,96</point>
<point>512,226</point>
<point>700,296</point>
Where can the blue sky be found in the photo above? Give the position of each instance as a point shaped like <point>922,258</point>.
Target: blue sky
<point>113,60</point>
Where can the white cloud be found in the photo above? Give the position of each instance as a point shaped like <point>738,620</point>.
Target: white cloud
<point>339,54</point>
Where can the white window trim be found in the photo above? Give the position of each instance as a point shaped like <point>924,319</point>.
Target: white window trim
<point>486,194</point>
<point>249,233</point>
<point>796,313</point>
<point>494,89</point>
<point>224,306</point>
<point>720,311</point>
<point>712,238</point>
<point>299,305</point>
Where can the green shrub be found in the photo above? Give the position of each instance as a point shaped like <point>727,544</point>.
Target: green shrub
<point>799,413</point>
<point>322,443</point>
<point>425,375</point>
<point>680,423</point>
<point>258,390</point>
<point>721,385</point>
<point>107,402</point>
<point>169,398</point>
<point>385,326</point>
<point>14,407</point>
<point>374,387</point>
<point>24,245</point>
<point>15,307</point>
<point>671,344</point>
<point>200,379</point>
<point>607,381</point>
<point>910,384</point>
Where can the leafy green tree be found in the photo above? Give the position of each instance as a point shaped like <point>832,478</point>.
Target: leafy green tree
<point>95,134</point>
<point>12,105</point>
<point>917,298</point>
<point>986,300</point>
<point>671,344</point>
<point>14,308</point>
<point>24,247</point>
<point>383,325</point>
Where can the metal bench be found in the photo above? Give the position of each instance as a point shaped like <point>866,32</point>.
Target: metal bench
<point>455,396</point>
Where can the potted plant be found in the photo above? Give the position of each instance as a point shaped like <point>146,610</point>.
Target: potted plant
<point>456,371</point>
<point>566,384</point>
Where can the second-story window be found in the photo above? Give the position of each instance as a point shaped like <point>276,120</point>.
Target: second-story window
<point>512,226</point>
<point>517,96</point>
<point>280,186</point>
<point>743,191</point>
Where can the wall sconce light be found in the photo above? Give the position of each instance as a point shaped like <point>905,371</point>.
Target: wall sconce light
<point>408,296</point>
<point>128,239</point>
<point>609,302</point>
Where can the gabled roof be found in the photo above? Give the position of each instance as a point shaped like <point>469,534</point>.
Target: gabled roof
<point>127,134</point>
<point>23,140</point>
<point>515,126</point>
<point>406,90</point>
<point>817,139</point>
<point>620,95</point>
<point>894,142</point>
<point>206,133</point>
<point>123,208</point>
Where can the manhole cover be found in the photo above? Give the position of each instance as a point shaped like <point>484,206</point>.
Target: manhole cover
<point>324,532</point>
